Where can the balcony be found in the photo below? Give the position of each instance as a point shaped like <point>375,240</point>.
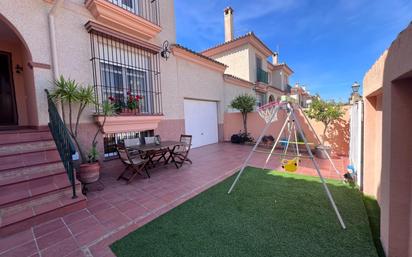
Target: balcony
<point>137,18</point>
<point>262,76</point>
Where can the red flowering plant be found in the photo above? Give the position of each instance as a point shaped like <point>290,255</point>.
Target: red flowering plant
<point>117,104</point>
<point>133,101</point>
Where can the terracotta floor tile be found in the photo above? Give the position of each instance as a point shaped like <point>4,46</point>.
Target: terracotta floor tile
<point>136,212</point>
<point>91,234</point>
<point>77,253</point>
<point>48,227</point>
<point>51,239</point>
<point>16,239</point>
<point>82,225</point>
<point>24,250</point>
<point>68,245</point>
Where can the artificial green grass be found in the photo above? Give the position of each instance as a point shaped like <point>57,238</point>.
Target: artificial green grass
<point>374,213</point>
<point>268,214</point>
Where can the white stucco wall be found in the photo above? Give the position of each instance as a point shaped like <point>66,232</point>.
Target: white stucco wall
<point>237,61</point>
<point>197,82</point>
<point>231,91</point>
<point>278,81</point>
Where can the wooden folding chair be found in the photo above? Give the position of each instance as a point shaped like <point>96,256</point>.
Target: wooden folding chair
<point>180,152</point>
<point>135,163</point>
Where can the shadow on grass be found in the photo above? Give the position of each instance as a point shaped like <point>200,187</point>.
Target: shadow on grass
<point>374,213</point>
<point>267,214</point>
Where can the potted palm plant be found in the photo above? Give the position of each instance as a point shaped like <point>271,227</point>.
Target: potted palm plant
<point>74,99</point>
<point>326,112</point>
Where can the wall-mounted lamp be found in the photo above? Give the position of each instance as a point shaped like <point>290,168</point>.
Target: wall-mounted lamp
<point>165,53</point>
<point>19,69</point>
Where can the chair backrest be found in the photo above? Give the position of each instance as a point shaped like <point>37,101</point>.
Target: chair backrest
<point>188,140</point>
<point>122,152</point>
<point>131,142</point>
<point>150,140</point>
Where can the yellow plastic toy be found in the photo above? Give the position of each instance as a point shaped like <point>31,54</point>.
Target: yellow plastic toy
<point>290,165</point>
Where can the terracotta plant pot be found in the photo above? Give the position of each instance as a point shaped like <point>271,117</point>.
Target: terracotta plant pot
<point>125,112</point>
<point>320,151</point>
<point>89,172</point>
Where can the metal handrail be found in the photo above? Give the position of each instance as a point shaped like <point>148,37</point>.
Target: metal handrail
<point>63,141</point>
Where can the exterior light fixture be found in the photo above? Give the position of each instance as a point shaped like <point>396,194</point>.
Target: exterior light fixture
<point>355,87</point>
<point>165,53</point>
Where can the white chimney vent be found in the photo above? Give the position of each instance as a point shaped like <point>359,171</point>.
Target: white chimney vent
<point>275,58</point>
<point>228,14</point>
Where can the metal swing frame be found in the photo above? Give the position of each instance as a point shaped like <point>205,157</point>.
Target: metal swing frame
<point>289,108</point>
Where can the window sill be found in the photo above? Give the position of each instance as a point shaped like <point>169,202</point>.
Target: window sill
<point>123,20</point>
<point>131,123</point>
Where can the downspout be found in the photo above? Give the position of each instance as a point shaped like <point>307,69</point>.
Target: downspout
<point>53,44</point>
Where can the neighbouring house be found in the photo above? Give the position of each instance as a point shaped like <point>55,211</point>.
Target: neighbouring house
<point>387,166</point>
<point>301,95</point>
<point>247,63</point>
<point>118,47</point>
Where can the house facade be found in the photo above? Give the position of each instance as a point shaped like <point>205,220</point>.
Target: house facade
<point>119,47</point>
<point>115,46</point>
<point>387,166</point>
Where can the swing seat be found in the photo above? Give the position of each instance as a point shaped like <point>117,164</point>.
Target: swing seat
<point>290,165</point>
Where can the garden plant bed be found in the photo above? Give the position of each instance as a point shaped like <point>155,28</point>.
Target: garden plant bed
<point>268,214</point>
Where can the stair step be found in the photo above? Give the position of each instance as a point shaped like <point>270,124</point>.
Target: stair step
<point>35,211</point>
<point>28,159</point>
<point>26,147</point>
<point>26,191</point>
<point>22,136</point>
<point>14,176</point>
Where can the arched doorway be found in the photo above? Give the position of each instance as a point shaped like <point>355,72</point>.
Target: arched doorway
<point>271,98</point>
<point>17,95</point>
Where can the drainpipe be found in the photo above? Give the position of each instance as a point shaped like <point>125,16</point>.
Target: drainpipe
<point>52,31</point>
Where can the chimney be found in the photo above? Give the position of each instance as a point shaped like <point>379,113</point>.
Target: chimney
<point>275,58</point>
<point>228,24</point>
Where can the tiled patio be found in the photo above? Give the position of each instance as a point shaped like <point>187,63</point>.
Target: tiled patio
<point>120,209</point>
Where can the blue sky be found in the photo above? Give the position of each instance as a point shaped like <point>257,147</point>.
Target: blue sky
<point>328,43</point>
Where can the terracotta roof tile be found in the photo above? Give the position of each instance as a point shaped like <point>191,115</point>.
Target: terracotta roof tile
<point>198,54</point>
<point>229,42</point>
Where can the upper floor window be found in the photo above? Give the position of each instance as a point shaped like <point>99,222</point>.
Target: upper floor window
<point>258,62</point>
<point>147,9</point>
<point>122,70</point>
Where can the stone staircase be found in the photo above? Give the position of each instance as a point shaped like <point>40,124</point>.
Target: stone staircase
<point>34,186</point>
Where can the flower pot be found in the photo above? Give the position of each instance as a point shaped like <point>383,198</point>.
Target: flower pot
<point>89,172</point>
<point>126,112</point>
<point>321,151</point>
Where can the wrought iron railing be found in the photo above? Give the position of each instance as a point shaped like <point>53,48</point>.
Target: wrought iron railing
<point>63,141</point>
<point>147,9</point>
<point>122,70</point>
<point>262,76</point>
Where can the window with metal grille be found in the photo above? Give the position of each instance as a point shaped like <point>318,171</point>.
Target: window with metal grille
<point>122,70</point>
<point>111,140</point>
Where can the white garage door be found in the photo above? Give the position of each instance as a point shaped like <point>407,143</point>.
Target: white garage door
<point>201,122</point>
